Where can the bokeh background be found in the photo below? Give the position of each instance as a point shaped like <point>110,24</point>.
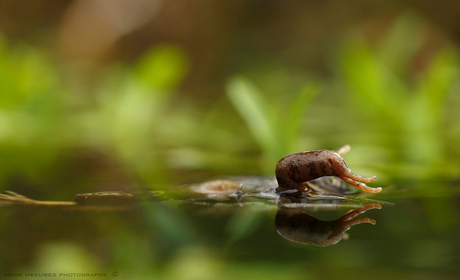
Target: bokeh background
<point>113,95</point>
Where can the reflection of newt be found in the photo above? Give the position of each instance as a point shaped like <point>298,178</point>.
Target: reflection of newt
<point>294,225</point>
<point>294,170</point>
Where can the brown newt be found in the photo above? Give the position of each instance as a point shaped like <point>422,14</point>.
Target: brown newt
<point>294,170</point>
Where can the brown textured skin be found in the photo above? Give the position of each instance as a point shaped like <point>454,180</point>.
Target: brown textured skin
<point>293,224</point>
<point>294,170</point>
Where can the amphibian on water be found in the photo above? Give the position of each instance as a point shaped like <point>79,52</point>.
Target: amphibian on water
<point>296,174</point>
<point>294,170</point>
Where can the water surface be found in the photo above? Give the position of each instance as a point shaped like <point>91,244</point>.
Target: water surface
<point>405,236</point>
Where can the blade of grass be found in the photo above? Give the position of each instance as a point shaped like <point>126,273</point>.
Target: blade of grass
<point>296,111</point>
<point>372,83</point>
<point>256,112</point>
<point>425,144</point>
<point>439,79</point>
<point>401,42</point>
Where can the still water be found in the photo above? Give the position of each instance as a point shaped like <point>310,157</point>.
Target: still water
<point>223,232</point>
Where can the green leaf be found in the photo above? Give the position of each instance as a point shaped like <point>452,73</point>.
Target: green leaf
<point>256,112</point>
<point>163,67</point>
<point>425,111</point>
<point>401,42</point>
<point>439,79</point>
<point>296,111</point>
<point>372,83</point>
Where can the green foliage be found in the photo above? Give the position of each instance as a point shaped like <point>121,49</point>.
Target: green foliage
<point>258,114</point>
<point>275,130</point>
<point>30,112</point>
<point>38,120</point>
<point>407,116</point>
<point>131,109</point>
<point>162,67</point>
<point>25,76</point>
<point>134,114</point>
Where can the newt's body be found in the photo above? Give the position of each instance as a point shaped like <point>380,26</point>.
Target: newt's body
<point>294,170</point>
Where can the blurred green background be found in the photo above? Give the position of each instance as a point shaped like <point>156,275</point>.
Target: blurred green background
<point>111,95</point>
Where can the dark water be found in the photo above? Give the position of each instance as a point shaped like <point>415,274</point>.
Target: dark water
<point>407,236</point>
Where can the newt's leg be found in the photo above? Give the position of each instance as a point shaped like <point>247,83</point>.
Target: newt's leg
<point>343,172</point>
<point>357,221</point>
<point>346,172</point>
<point>353,213</point>
<point>360,185</point>
<point>345,149</point>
